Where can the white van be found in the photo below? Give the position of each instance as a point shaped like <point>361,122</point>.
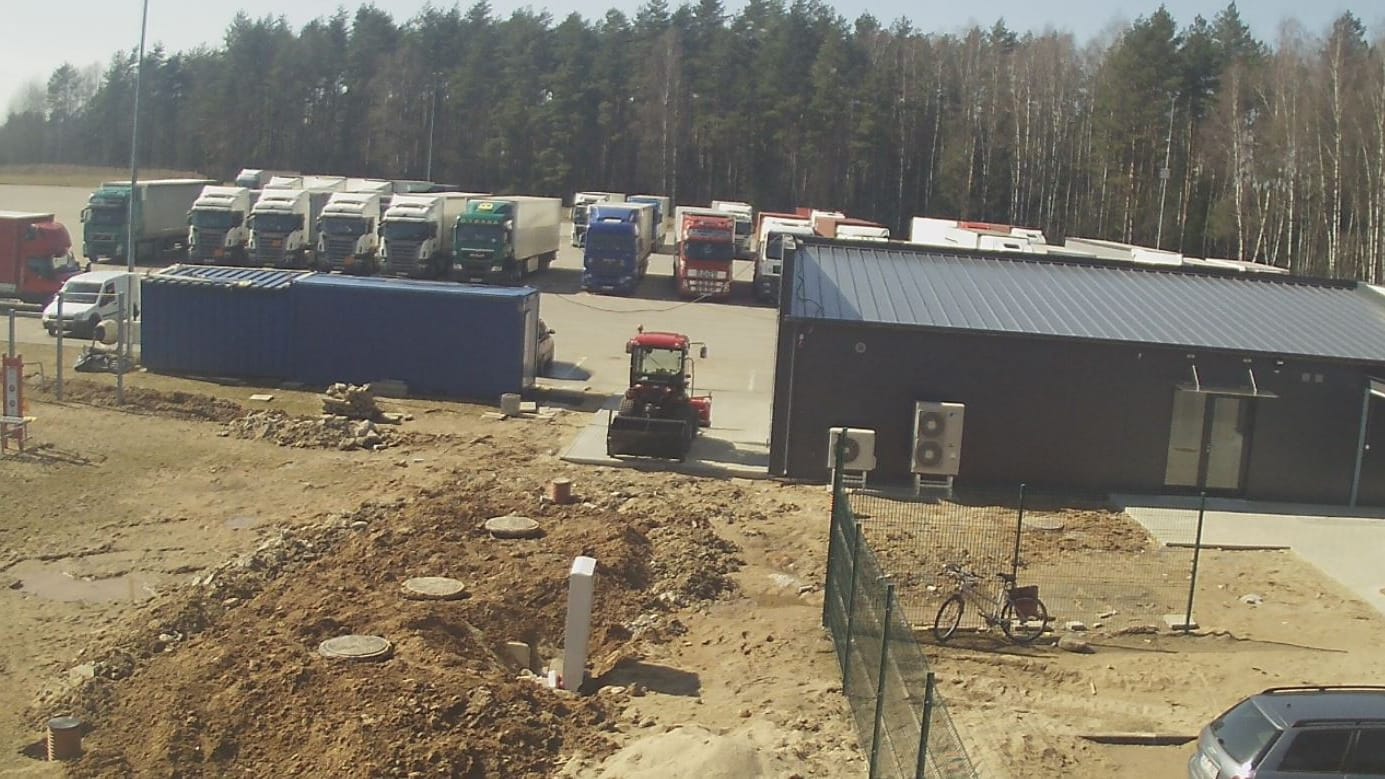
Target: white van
<point>90,298</point>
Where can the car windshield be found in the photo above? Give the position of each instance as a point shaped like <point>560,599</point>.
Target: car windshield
<point>107,215</point>
<point>472,234</point>
<point>658,364</point>
<point>339,225</point>
<point>81,291</point>
<point>408,231</point>
<point>708,250</point>
<point>214,220</point>
<point>1244,732</point>
<point>278,223</point>
<point>606,243</point>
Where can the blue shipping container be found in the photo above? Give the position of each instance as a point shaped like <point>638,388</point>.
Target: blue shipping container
<point>217,321</point>
<point>439,338</point>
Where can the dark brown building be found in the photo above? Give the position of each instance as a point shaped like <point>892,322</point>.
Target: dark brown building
<point>1083,375</point>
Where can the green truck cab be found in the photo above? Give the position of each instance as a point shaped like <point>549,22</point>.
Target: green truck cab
<point>501,240</point>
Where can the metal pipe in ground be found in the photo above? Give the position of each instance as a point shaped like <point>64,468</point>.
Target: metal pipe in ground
<point>64,738</point>
<point>11,332</point>
<point>119,346</point>
<point>1197,553</point>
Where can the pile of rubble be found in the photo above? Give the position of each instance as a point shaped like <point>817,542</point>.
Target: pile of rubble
<point>356,402</point>
<point>326,432</point>
<point>350,420</point>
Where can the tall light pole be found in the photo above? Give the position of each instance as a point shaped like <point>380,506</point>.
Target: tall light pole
<point>134,148</point>
<point>1164,177</point>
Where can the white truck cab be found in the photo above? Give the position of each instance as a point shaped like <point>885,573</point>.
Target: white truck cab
<point>91,298</point>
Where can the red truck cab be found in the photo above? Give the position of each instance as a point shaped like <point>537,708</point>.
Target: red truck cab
<point>35,256</point>
<point>705,255</point>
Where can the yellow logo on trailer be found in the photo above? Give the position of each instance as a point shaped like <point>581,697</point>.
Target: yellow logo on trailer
<point>485,205</point>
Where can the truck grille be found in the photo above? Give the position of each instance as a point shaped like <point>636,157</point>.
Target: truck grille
<point>269,249</point>
<point>208,241</point>
<point>338,248</point>
<point>403,260</point>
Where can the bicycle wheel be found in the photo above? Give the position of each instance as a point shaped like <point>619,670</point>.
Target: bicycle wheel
<point>1024,618</point>
<point>949,617</point>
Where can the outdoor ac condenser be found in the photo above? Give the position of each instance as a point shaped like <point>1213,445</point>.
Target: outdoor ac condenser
<point>860,448</point>
<point>937,438</point>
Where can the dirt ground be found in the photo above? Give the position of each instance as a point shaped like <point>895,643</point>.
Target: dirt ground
<point>169,571</point>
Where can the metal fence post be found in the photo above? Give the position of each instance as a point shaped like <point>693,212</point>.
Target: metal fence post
<point>59,332</point>
<point>1019,530</point>
<point>11,332</point>
<point>837,457</point>
<point>851,609</point>
<point>880,677</point>
<point>1197,553</point>
<point>929,681</point>
<point>119,339</point>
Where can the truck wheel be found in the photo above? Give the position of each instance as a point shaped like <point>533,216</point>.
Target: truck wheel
<point>516,272</point>
<point>546,261</point>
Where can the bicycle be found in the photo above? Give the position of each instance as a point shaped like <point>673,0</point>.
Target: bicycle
<point>1017,611</point>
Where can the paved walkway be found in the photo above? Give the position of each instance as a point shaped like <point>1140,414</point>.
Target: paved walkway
<point>1346,544</point>
<point>735,446</point>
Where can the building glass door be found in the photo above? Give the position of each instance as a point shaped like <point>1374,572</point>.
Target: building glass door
<point>1209,440</point>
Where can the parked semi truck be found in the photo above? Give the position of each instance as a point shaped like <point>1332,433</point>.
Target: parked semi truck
<point>663,210</point>
<point>620,238</point>
<point>580,203</point>
<point>218,226</point>
<point>35,256</point>
<point>283,227</point>
<point>704,252</point>
<point>744,214</point>
<point>502,240</point>
<point>775,233</point>
<point>418,233</point>
<point>835,224</point>
<point>160,218</point>
<point>348,237</point>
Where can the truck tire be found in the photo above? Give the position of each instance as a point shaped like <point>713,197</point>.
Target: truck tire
<point>547,260</point>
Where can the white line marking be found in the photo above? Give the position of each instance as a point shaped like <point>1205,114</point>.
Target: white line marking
<point>751,388</point>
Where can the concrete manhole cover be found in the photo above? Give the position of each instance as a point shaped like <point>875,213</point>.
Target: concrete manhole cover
<point>1043,523</point>
<point>355,647</point>
<point>511,526</point>
<point>433,588</point>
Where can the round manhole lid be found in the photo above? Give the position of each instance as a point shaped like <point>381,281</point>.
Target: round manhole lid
<point>433,588</point>
<point>1043,523</point>
<point>511,526</point>
<point>355,647</point>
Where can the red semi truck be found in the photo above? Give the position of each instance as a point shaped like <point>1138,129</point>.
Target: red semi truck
<point>35,256</point>
<point>704,252</point>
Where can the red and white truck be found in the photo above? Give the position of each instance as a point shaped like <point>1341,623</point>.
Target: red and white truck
<point>704,252</point>
<point>35,256</point>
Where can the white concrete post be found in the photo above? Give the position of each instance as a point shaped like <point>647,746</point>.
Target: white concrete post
<point>581,589</point>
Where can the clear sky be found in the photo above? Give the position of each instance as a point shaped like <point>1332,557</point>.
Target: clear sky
<point>40,37</point>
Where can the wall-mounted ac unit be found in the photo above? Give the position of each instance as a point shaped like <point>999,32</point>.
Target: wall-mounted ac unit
<point>860,448</point>
<point>937,438</point>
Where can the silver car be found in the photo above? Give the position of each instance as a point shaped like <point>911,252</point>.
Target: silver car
<point>1321,732</point>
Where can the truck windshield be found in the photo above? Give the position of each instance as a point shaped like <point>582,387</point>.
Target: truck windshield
<point>469,234</point>
<point>708,250</point>
<point>215,220</point>
<point>609,243</point>
<point>774,246</point>
<point>107,215</point>
<point>742,227</point>
<point>342,225</point>
<point>278,223</point>
<point>408,231</point>
<point>579,214</point>
<point>658,364</point>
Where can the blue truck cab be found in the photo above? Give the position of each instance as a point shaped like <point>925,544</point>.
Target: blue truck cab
<point>620,237</point>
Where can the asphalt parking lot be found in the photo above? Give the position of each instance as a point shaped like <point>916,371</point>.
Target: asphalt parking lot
<point>590,339</point>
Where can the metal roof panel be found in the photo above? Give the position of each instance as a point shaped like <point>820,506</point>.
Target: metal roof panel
<point>1063,298</point>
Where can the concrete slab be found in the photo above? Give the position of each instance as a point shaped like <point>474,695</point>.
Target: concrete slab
<point>736,446</point>
<point>1344,543</point>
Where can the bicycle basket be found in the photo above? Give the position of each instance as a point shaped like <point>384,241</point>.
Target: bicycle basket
<point>1024,598</point>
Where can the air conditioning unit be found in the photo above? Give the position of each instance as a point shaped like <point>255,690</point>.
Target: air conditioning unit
<point>937,438</point>
<point>860,448</point>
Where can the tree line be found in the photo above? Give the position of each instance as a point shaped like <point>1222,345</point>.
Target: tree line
<point>1197,138</point>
